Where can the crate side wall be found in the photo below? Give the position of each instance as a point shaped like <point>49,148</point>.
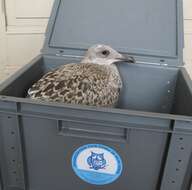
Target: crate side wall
<point>11,153</point>
<point>49,152</point>
<point>18,84</point>
<point>183,95</point>
<point>145,87</point>
<point>177,172</point>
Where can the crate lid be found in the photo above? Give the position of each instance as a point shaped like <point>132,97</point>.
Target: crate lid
<point>151,30</point>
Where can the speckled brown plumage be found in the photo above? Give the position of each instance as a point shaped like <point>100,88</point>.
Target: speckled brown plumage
<point>95,81</point>
<point>84,83</point>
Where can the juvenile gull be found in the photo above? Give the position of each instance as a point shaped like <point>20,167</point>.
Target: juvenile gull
<point>95,81</point>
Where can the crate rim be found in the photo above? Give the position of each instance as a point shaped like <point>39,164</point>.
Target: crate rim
<point>127,112</point>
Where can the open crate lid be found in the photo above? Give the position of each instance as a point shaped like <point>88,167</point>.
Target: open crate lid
<point>151,30</point>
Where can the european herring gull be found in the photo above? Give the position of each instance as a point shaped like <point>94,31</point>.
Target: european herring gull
<point>95,81</point>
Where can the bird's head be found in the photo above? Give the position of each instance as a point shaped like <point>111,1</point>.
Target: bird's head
<point>105,55</point>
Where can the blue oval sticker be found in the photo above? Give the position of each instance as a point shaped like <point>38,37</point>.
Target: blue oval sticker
<point>97,164</point>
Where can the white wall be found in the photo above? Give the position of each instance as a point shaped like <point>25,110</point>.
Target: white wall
<point>22,27</point>
<point>188,34</point>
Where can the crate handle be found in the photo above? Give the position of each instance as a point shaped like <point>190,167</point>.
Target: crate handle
<point>92,131</point>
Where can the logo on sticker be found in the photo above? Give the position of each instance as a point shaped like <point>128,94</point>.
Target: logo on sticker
<point>97,164</point>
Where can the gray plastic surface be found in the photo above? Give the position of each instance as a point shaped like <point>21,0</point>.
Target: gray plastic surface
<point>152,127</point>
<point>37,139</point>
<point>155,84</point>
<point>1,185</point>
<point>150,30</point>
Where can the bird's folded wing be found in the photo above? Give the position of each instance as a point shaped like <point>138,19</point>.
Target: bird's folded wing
<point>71,80</point>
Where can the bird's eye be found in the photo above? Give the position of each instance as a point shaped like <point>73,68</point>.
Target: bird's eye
<point>105,52</point>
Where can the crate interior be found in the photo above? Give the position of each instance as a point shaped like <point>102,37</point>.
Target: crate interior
<point>145,87</point>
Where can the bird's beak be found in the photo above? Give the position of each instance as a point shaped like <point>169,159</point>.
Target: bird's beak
<point>126,58</point>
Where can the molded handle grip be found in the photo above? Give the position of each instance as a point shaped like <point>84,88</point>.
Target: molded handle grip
<point>92,131</point>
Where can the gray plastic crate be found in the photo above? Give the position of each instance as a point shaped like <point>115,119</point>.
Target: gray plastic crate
<point>150,130</point>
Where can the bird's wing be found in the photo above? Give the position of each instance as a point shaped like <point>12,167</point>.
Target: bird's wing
<point>78,84</point>
<point>75,83</point>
